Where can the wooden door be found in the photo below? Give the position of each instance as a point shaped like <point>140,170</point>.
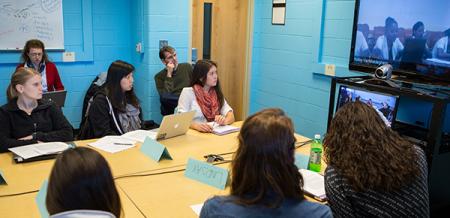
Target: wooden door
<point>229,46</point>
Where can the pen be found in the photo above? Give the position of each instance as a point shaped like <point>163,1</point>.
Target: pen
<point>116,143</point>
<point>214,124</point>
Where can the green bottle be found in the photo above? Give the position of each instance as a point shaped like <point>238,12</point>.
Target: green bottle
<point>315,156</point>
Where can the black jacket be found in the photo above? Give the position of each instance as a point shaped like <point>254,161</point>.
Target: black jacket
<point>46,120</point>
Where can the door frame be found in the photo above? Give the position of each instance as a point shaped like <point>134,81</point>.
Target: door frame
<point>248,54</point>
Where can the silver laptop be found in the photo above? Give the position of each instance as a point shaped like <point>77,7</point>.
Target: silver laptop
<point>58,97</point>
<point>174,125</point>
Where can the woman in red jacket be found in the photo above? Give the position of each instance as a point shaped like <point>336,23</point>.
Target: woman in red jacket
<point>34,56</point>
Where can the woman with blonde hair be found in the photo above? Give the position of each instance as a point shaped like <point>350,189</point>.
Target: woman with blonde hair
<point>25,119</point>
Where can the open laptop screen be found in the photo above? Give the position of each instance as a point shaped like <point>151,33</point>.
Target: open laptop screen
<point>385,104</point>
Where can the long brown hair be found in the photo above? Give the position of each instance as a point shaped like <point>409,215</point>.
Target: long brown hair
<point>263,169</point>
<point>199,74</point>
<point>82,179</point>
<point>33,43</point>
<point>366,152</point>
<point>20,76</point>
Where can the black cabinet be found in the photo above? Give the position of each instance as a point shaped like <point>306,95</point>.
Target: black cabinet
<point>432,138</point>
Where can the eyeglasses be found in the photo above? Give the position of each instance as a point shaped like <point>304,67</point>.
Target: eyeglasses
<point>171,57</point>
<point>35,54</point>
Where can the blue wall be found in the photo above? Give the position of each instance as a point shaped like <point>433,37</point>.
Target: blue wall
<point>98,32</point>
<point>288,62</point>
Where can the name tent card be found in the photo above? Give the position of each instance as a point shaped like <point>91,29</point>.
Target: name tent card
<point>206,173</point>
<point>155,150</point>
<point>40,199</point>
<point>301,161</point>
<point>2,179</point>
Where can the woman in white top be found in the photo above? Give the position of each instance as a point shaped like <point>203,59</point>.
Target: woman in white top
<point>205,98</point>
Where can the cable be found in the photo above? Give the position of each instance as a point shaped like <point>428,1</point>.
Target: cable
<point>300,144</point>
<point>21,193</point>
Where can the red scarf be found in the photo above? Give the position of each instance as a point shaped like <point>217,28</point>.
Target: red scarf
<point>207,101</point>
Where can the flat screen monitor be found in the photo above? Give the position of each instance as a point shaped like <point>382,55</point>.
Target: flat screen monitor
<point>386,105</point>
<point>411,35</point>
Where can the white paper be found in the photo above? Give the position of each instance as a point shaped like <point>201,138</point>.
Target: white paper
<point>34,150</point>
<point>278,14</point>
<point>197,208</point>
<point>113,144</point>
<point>140,135</point>
<point>223,130</point>
<point>314,183</point>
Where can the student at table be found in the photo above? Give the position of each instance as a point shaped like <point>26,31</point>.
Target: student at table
<point>81,185</point>
<point>34,56</point>
<point>205,97</point>
<point>264,179</point>
<point>372,171</point>
<point>115,109</point>
<point>25,119</point>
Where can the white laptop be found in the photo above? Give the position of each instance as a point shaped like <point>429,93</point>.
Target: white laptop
<point>171,126</point>
<point>58,97</point>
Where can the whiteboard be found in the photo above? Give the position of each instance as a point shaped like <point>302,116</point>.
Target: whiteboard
<point>21,20</point>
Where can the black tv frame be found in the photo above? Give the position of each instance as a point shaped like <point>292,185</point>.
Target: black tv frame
<point>405,76</point>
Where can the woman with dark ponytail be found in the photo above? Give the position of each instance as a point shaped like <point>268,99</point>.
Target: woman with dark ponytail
<point>25,119</point>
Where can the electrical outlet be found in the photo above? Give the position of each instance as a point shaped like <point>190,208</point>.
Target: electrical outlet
<point>330,69</point>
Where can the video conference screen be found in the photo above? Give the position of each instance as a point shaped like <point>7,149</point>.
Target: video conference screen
<point>412,35</point>
<point>384,104</point>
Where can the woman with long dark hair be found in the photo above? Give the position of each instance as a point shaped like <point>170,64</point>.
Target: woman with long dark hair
<point>82,180</point>
<point>115,109</point>
<point>205,97</point>
<point>264,179</point>
<point>372,171</point>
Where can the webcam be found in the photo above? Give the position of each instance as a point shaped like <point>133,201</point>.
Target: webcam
<point>384,72</point>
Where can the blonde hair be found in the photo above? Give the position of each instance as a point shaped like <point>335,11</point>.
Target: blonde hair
<point>20,76</point>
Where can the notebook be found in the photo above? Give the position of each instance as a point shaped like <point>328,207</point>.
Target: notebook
<point>39,151</point>
<point>314,184</point>
<point>58,97</point>
<point>223,130</point>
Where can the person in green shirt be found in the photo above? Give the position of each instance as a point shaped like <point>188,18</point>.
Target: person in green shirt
<point>172,79</point>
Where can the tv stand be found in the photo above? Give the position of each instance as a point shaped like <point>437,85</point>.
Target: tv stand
<point>431,138</point>
<point>382,82</point>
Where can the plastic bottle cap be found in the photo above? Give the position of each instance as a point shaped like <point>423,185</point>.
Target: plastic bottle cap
<point>317,136</point>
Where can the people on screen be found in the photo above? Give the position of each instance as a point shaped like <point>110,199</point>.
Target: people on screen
<point>388,46</point>
<point>371,170</point>
<point>25,119</point>
<point>441,50</point>
<point>82,180</point>
<point>34,56</point>
<point>361,47</point>
<point>115,109</point>
<point>171,80</point>
<point>265,182</point>
<point>205,97</point>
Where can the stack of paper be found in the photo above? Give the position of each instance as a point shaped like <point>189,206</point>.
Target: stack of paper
<point>223,130</point>
<point>140,135</point>
<point>314,184</point>
<point>113,144</point>
<point>39,149</point>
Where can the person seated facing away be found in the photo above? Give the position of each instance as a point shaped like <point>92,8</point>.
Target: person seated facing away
<point>115,109</point>
<point>25,119</point>
<point>265,182</point>
<point>388,47</point>
<point>441,50</point>
<point>205,98</point>
<point>171,80</point>
<point>372,171</point>
<point>81,183</point>
<point>34,56</point>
